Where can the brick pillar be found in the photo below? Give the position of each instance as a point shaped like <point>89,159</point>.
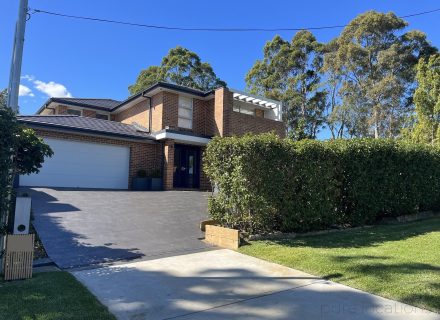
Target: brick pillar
<point>168,172</point>
<point>222,111</point>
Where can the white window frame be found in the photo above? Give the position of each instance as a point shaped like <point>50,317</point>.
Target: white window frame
<point>191,109</point>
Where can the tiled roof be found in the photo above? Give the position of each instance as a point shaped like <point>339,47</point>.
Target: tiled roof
<point>93,125</point>
<point>105,104</point>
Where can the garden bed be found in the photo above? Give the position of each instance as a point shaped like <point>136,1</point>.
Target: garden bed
<point>39,251</point>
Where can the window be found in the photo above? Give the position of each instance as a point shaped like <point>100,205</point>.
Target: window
<point>102,116</point>
<point>74,112</point>
<point>240,109</point>
<point>185,113</point>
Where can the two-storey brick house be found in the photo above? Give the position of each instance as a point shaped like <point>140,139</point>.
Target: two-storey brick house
<point>103,143</point>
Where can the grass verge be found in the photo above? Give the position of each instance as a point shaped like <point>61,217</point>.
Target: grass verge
<point>49,296</point>
<point>400,262</point>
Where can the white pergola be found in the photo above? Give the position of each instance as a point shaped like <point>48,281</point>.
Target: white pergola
<point>261,102</point>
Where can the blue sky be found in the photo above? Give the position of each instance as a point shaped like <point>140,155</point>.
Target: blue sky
<point>89,59</point>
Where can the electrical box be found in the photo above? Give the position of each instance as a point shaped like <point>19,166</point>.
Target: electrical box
<point>22,215</point>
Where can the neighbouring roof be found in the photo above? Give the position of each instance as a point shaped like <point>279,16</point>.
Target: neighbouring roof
<point>86,124</point>
<point>99,104</point>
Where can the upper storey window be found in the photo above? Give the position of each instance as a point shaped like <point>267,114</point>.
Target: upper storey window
<point>74,112</point>
<point>185,119</point>
<point>102,116</point>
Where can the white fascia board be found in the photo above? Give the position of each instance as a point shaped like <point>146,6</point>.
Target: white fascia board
<point>182,138</point>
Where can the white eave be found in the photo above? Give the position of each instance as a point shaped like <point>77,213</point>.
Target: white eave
<point>182,138</point>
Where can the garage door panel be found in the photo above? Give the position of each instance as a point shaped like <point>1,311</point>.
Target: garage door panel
<point>83,165</point>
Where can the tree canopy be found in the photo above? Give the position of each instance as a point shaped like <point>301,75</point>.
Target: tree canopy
<point>427,101</point>
<point>290,72</point>
<point>375,60</point>
<point>360,84</point>
<point>180,66</point>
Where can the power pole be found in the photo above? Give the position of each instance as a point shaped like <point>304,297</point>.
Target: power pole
<point>17,55</point>
<point>13,88</point>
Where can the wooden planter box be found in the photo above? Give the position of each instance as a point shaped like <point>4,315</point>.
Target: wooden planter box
<point>222,237</point>
<point>19,255</point>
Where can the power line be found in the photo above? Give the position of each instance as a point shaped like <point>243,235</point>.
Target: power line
<point>32,11</point>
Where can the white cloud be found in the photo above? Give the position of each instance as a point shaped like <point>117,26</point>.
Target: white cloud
<point>24,91</point>
<point>52,89</point>
<point>30,78</point>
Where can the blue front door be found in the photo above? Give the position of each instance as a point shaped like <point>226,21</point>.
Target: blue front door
<point>186,166</point>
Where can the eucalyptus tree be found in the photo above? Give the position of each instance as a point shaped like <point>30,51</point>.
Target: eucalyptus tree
<point>427,100</point>
<point>290,72</point>
<point>374,59</point>
<point>180,66</point>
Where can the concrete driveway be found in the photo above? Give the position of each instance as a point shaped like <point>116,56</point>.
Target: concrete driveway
<point>80,228</point>
<point>224,284</point>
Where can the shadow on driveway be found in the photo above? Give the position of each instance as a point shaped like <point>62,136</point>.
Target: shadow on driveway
<point>82,228</point>
<point>223,284</point>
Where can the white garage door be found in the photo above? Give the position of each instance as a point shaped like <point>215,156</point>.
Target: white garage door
<point>82,165</point>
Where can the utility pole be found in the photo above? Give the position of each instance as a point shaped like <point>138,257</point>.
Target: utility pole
<point>13,88</point>
<point>17,55</point>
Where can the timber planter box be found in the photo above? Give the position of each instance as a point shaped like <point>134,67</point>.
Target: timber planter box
<point>222,237</point>
<point>19,256</point>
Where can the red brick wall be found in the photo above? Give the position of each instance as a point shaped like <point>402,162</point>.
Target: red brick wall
<point>137,113</point>
<point>170,110</point>
<point>144,156</point>
<point>168,174</point>
<point>244,123</point>
<point>199,116</point>
<point>211,128</point>
<point>156,112</point>
<point>229,122</point>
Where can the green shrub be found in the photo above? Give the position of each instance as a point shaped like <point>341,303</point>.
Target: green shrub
<point>21,152</point>
<point>266,183</point>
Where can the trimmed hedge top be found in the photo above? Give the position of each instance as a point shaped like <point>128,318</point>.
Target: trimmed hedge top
<point>266,183</point>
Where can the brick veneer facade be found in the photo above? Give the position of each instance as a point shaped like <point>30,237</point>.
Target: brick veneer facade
<point>168,165</point>
<point>241,124</point>
<point>230,123</point>
<point>156,112</point>
<point>143,156</point>
<point>138,113</point>
<point>212,116</point>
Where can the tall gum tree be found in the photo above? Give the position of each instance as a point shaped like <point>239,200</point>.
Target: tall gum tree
<point>375,60</point>
<point>180,66</point>
<point>290,72</point>
<point>427,100</point>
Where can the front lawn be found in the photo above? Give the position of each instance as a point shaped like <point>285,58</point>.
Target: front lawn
<point>400,262</point>
<point>49,296</point>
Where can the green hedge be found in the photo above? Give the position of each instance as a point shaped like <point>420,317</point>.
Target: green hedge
<point>266,183</point>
